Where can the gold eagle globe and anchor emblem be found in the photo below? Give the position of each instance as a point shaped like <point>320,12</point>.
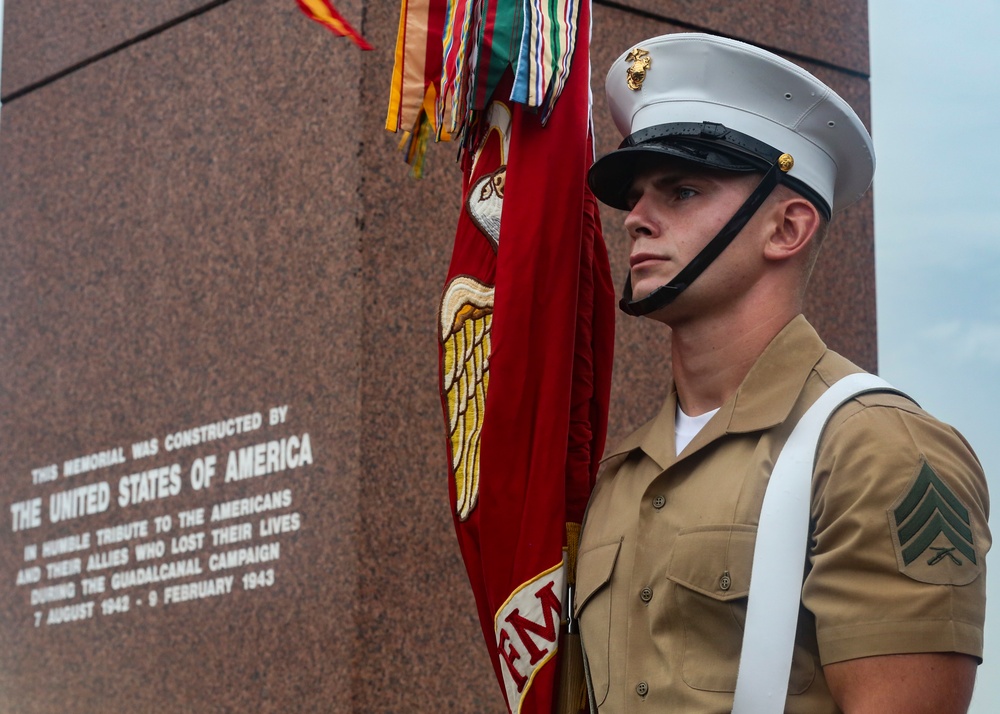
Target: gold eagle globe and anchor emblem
<point>636,74</point>
<point>466,318</point>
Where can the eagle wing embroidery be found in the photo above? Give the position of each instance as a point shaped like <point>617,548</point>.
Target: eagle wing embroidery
<point>466,317</point>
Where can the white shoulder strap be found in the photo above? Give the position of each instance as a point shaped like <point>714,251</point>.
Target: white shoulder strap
<point>780,554</point>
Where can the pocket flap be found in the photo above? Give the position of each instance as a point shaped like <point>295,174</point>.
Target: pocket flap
<point>593,570</point>
<point>714,560</point>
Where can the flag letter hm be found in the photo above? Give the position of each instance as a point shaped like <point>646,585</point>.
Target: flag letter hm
<point>527,630</point>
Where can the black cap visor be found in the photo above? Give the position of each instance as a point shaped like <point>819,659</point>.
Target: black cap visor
<point>707,144</point>
<point>611,176</point>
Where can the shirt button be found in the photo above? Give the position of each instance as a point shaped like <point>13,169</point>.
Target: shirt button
<point>646,594</point>
<point>659,502</point>
<point>642,689</point>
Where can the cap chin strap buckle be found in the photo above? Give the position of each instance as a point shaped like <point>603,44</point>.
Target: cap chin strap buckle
<point>666,294</point>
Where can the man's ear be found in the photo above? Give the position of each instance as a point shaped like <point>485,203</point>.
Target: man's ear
<point>796,222</point>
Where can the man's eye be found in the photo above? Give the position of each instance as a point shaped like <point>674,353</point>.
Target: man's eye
<point>685,193</point>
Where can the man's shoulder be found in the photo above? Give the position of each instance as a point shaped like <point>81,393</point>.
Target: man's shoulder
<point>889,436</point>
<point>882,410</point>
<point>883,445</point>
<point>833,367</point>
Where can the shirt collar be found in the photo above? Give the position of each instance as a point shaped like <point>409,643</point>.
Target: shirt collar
<point>764,399</point>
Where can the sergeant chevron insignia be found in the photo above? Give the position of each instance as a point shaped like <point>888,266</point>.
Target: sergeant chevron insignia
<point>932,532</point>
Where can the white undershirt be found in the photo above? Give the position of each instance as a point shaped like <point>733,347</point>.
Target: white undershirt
<point>687,427</point>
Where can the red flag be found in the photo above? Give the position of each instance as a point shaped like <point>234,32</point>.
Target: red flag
<point>323,12</point>
<point>526,337</point>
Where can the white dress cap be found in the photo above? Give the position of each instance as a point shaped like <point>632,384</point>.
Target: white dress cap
<point>687,79</point>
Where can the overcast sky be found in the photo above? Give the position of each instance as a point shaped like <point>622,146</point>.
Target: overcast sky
<point>936,124</point>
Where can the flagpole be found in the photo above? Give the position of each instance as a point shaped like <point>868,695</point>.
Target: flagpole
<point>572,697</point>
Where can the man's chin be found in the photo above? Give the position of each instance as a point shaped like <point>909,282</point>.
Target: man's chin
<point>642,289</point>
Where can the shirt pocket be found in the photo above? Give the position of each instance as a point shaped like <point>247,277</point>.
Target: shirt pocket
<point>710,566</point>
<point>594,568</point>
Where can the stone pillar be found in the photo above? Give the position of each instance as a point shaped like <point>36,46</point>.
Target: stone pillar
<point>222,457</point>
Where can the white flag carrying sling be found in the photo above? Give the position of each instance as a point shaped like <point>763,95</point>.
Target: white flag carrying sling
<point>780,554</point>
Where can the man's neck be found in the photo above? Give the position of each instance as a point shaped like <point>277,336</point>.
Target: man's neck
<point>711,357</point>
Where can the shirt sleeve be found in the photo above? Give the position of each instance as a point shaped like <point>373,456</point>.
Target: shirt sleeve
<point>897,558</point>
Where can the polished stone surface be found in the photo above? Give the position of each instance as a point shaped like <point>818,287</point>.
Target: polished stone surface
<point>422,648</point>
<point>834,32</point>
<point>180,243</point>
<point>43,38</point>
<point>214,222</point>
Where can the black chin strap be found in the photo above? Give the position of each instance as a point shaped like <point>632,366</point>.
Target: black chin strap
<point>666,294</point>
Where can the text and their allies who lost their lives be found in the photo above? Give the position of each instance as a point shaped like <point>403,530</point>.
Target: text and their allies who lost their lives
<point>155,556</point>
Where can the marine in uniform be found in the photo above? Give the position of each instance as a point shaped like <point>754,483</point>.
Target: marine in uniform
<point>734,161</point>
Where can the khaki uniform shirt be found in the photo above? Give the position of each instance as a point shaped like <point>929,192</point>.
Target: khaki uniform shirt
<point>896,558</point>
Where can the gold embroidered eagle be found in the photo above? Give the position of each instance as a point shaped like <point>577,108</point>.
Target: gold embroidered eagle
<point>466,317</point>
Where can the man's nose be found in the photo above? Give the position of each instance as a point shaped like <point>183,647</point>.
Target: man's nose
<point>639,222</point>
